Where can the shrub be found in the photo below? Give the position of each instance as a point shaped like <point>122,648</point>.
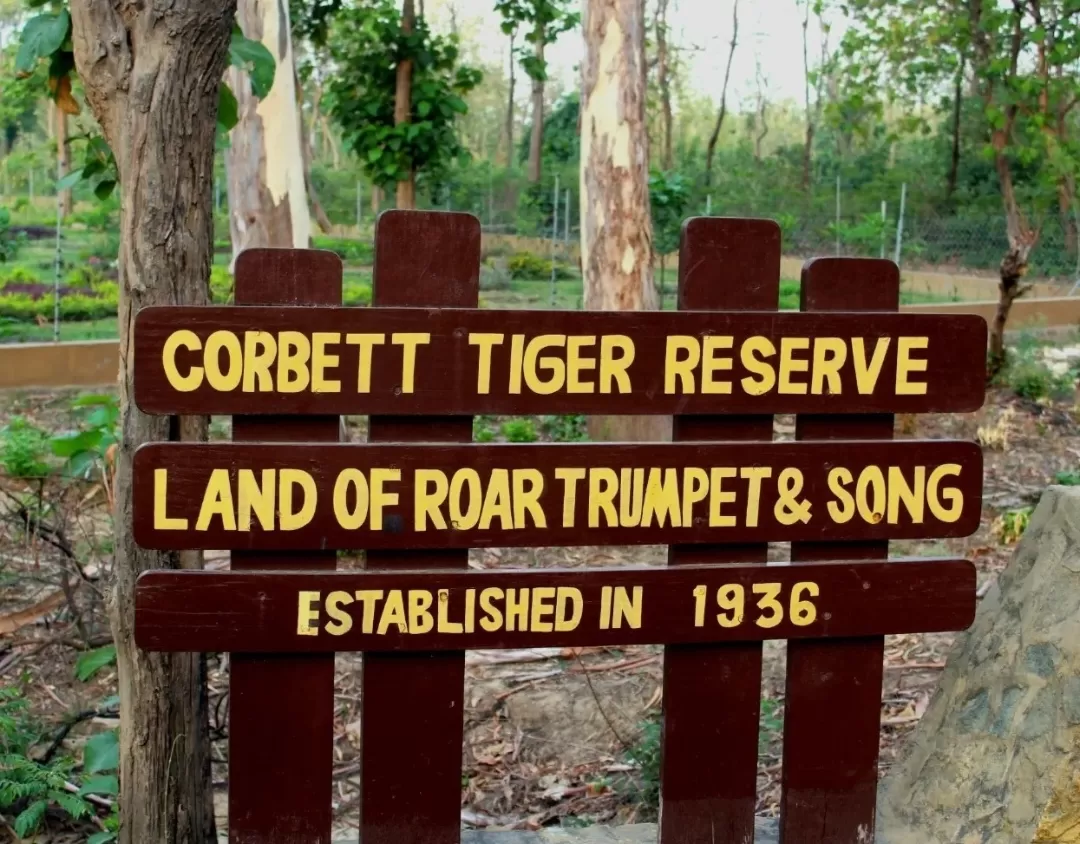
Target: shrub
<point>519,431</point>
<point>355,251</point>
<point>1067,478</point>
<point>528,265</point>
<point>565,429</point>
<point>356,293</point>
<point>221,286</point>
<point>1031,378</point>
<point>1010,525</point>
<point>24,446</point>
<point>482,431</point>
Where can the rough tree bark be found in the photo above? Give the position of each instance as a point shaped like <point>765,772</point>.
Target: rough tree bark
<point>663,78</point>
<point>715,136</point>
<point>536,140</point>
<point>151,73</point>
<point>616,226</point>
<point>510,103</point>
<point>265,159</point>
<point>406,189</point>
<point>954,156</point>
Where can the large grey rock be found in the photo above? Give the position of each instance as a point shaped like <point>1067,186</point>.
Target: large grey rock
<point>996,757</point>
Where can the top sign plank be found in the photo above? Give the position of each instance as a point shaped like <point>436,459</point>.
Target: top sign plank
<point>331,360</point>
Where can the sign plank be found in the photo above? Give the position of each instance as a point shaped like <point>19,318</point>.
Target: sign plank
<point>403,361</point>
<point>434,610</point>
<point>395,496</point>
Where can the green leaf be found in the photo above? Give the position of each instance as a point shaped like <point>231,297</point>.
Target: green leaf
<point>228,109</point>
<point>93,400</point>
<point>108,785</point>
<point>30,818</point>
<point>68,445</point>
<point>71,179</point>
<point>423,108</point>
<point>72,804</point>
<point>105,188</point>
<point>258,61</point>
<point>102,753</point>
<point>104,837</point>
<point>90,663</point>
<point>42,36</point>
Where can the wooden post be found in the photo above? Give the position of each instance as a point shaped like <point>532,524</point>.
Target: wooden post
<point>712,693</point>
<point>281,707</point>
<point>411,707</point>
<point>832,716</point>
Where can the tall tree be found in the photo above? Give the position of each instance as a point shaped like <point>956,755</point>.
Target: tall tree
<point>265,159</point>
<point>616,226</point>
<point>151,74</point>
<point>715,136</point>
<point>663,79</point>
<point>510,99</point>
<point>815,80</point>
<point>394,144</point>
<point>542,21</point>
<point>406,186</point>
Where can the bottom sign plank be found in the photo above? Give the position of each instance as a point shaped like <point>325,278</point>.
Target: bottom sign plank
<point>281,612</point>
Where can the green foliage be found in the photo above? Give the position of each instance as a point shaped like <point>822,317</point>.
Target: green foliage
<point>669,197</point>
<point>367,43</point>
<point>482,430</point>
<point>646,755</point>
<point>29,788</point>
<point>254,58</point>
<point>348,249</point>
<point>42,36</point>
<point>528,265</point>
<point>542,21</point>
<point>519,431</point>
<point>1030,377</point>
<point>1070,478</point>
<point>84,450</point>
<point>863,237</point>
<point>221,286</point>
<point>101,753</point>
<point>1011,524</point>
<point>569,428</point>
<point>24,447</point>
<point>9,243</point>
<point>91,662</point>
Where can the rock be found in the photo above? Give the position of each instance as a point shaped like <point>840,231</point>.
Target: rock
<point>996,757</point>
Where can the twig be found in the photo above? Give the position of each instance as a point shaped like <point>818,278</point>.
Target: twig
<point>97,800</point>
<point>581,668</point>
<point>596,700</point>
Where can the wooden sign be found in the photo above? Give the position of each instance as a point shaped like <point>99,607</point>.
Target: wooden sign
<point>284,612</point>
<point>289,496</point>
<point>328,360</point>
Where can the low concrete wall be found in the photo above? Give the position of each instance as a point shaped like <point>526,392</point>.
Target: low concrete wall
<point>1061,312</point>
<point>89,364</point>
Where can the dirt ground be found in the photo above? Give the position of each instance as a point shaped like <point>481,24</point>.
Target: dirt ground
<point>549,735</point>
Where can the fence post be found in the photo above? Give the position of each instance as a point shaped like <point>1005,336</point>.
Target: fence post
<point>712,693</point>
<point>268,801</point>
<point>900,224</point>
<point>411,704</point>
<point>832,710</point>
<point>554,236</point>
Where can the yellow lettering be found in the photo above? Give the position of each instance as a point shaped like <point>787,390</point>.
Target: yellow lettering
<point>294,352</point>
<point>905,366</point>
<point>695,489</point>
<point>541,595</point>
<point>321,360</point>
<point>342,621</point>
<point>614,368</point>
<point>307,614</point>
<point>911,496</point>
<point>467,519</point>
<point>528,484</point>
<point>871,483</point>
<point>162,521</point>
<point>570,478</point>
<point>393,612</point>
<point>257,498</point>
<point>952,495</point>
<point>830,355</point>
<point>790,364</point>
<point>217,501</point>
<point>216,343</point>
<point>517,344</point>
<point>568,608</point>
<point>603,484</point>
<point>483,365</point>
<point>517,609</point>
<point>838,479</point>
<point>766,376</point>
<point>368,598</point>
<point>181,339</point>
<point>718,497</point>
<point>754,474</point>
<point>366,342</point>
<point>408,341</point>
<point>428,501</point>
<point>497,501</point>
<point>631,495</point>
<point>420,620</point>
<point>493,618</point>
<point>866,375</point>
<point>681,368</point>
<point>576,363</point>
<point>380,497</point>
<point>662,498</point>
<point>553,364</point>
<point>626,608</point>
<point>354,518</point>
<point>260,349</point>
<point>289,518</point>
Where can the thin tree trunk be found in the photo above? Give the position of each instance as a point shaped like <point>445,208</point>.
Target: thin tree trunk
<point>151,76</point>
<point>63,158</point>
<point>328,138</point>
<point>536,140</point>
<point>305,145</point>
<point>616,226</point>
<point>510,104</point>
<point>406,189</point>
<point>1066,197</point>
<point>954,159</point>
<point>664,81</point>
<point>376,200</point>
<point>715,136</point>
<point>808,144</point>
<point>267,180</point>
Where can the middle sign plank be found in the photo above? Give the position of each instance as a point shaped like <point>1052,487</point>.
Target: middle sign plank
<point>285,496</point>
<point>325,360</point>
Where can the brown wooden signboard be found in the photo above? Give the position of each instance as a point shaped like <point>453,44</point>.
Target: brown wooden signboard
<point>440,496</point>
<point>285,612</point>
<point>285,497</point>
<point>458,361</point>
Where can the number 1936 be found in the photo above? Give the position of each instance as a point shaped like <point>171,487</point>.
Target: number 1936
<point>731,601</point>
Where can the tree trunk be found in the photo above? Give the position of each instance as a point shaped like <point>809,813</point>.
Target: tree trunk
<point>808,144</point>
<point>376,200</point>
<point>954,159</point>
<point>616,227</point>
<point>151,76</point>
<point>1066,197</point>
<point>715,136</point>
<point>1010,288</point>
<point>406,189</point>
<point>536,140</point>
<point>510,105</point>
<point>305,145</point>
<point>663,78</point>
<point>63,158</point>
<point>265,160</point>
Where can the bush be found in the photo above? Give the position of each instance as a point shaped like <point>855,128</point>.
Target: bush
<point>23,447</point>
<point>35,302</point>
<point>221,286</point>
<point>569,428</point>
<point>519,431</point>
<point>1031,378</point>
<point>348,249</point>
<point>527,265</point>
<point>1067,478</point>
<point>356,293</point>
